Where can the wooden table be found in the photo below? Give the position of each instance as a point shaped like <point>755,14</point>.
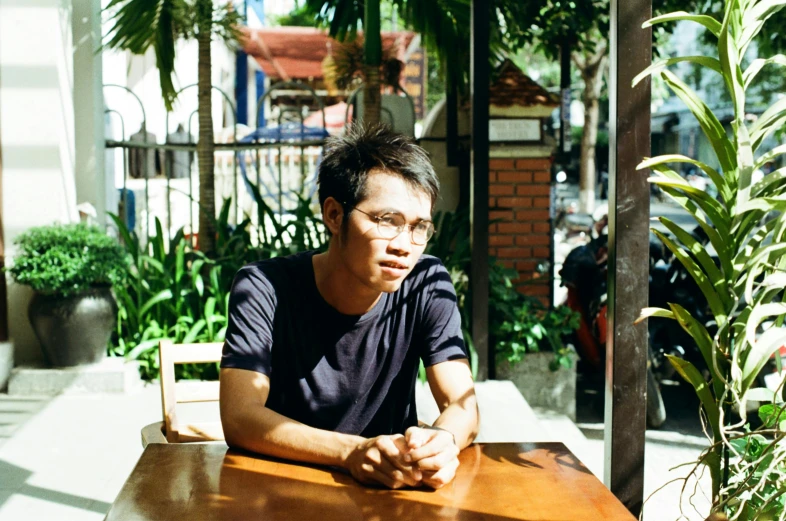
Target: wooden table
<point>495,482</point>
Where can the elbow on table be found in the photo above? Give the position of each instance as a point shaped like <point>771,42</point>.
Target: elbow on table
<point>233,431</point>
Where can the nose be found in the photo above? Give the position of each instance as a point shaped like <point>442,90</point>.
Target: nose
<point>402,242</point>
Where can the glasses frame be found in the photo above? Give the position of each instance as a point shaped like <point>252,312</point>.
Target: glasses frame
<point>378,219</point>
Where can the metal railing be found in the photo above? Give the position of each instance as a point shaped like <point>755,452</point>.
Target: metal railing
<point>280,164</point>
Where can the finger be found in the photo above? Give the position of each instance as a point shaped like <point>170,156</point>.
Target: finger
<point>380,477</point>
<point>441,442</point>
<point>407,476</point>
<point>393,450</point>
<point>442,477</point>
<point>437,462</point>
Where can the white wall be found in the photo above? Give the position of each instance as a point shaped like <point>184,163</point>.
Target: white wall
<point>36,134</point>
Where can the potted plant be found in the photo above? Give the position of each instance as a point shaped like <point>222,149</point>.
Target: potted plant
<point>743,286</point>
<point>529,343</point>
<point>71,268</point>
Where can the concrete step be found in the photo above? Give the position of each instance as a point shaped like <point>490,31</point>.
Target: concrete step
<point>111,375</point>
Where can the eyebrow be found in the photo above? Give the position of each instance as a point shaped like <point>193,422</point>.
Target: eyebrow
<point>398,212</point>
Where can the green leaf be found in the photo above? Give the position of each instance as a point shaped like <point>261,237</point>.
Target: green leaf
<point>744,162</point>
<point>704,342</point>
<point>707,21</point>
<point>770,155</point>
<point>142,348</point>
<point>719,242</point>
<point>193,333</point>
<point>700,253</point>
<point>161,296</point>
<point>707,120</point>
<point>756,65</point>
<point>716,213</point>
<point>691,375</point>
<point>698,275</point>
<point>768,183</point>
<point>717,179</point>
<point>657,67</point>
<point>763,204</point>
<point>754,19</point>
<point>771,414</point>
<point>762,348</point>
<point>654,312</point>
<point>729,59</point>
<point>770,120</point>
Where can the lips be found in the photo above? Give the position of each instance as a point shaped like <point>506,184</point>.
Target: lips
<point>394,265</point>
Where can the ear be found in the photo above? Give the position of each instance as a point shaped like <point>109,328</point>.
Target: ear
<point>332,215</point>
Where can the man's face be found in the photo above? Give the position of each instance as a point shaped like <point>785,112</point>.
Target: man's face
<point>377,262</point>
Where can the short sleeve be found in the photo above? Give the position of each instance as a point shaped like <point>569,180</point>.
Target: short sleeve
<point>443,339</point>
<point>249,337</point>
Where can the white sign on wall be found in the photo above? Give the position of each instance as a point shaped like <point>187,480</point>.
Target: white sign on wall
<point>514,129</point>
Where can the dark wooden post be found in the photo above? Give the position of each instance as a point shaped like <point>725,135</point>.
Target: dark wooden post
<point>629,210</point>
<point>479,199</point>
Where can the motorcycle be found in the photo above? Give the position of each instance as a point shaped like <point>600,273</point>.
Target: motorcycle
<point>584,275</point>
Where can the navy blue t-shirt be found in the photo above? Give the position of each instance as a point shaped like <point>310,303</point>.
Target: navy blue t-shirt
<point>349,374</point>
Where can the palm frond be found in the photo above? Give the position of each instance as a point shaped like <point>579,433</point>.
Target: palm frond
<point>139,25</point>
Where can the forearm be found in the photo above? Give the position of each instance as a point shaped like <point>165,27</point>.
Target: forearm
<point>461,419</point>
<point>264,431</point>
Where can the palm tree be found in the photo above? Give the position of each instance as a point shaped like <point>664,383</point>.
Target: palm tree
<point>142,24</point>
<point>443,24</point>
<point>344,17</point>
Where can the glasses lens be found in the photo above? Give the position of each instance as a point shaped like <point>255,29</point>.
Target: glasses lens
<point>422,233</point>
<point>390,226</point>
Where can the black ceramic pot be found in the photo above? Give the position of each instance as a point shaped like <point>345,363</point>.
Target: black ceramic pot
<point>74,330</point>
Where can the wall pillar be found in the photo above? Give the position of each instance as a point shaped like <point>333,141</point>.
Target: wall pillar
<point>519,213</point>
<point>93,183</point>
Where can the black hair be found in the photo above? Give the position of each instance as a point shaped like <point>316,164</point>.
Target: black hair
<point>348,160</point>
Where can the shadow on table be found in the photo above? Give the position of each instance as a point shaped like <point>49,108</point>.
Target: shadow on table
<point>337,497</point>
<point>555,451</point>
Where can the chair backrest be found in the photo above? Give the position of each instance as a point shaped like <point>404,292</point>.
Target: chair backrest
<point>173,392</point>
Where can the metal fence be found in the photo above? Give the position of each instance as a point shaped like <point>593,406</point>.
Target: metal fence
<point>161,180</point>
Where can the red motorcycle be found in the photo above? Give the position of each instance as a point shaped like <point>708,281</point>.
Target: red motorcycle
<point>584,275</point>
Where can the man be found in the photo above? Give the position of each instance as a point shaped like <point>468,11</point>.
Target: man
<point>322,349</point>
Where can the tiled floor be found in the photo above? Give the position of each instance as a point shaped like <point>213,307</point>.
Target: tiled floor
<point>66,458</point>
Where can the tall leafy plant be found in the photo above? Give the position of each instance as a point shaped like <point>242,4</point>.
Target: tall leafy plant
<point>744,288</point>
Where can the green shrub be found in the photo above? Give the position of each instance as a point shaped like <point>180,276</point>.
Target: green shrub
<point>67,259</point>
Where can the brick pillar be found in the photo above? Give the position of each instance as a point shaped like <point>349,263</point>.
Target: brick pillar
<point>520,234</point>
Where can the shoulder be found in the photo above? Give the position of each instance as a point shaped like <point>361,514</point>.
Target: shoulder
<point>429,266</point>
<point>270,274</point>
<point>429,275</point>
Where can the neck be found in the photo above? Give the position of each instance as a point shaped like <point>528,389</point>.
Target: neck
<point>339,287</point>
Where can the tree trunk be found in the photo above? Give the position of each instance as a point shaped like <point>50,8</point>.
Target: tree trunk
<point>372,56</point>
<point>372,100</point>
<point>205,145</point>
<point>592,71</point>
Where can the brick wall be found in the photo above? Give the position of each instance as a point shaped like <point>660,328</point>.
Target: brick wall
<point>520,233</point>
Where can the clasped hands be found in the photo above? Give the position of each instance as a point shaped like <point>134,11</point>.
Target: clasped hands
<point>423,455</point>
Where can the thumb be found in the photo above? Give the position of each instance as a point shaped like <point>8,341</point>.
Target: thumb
<point>416,437</point>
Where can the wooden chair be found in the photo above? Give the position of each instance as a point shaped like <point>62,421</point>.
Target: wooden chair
<point>171,430</point>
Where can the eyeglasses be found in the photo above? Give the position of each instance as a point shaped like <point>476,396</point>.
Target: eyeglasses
<point>390,226</point>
